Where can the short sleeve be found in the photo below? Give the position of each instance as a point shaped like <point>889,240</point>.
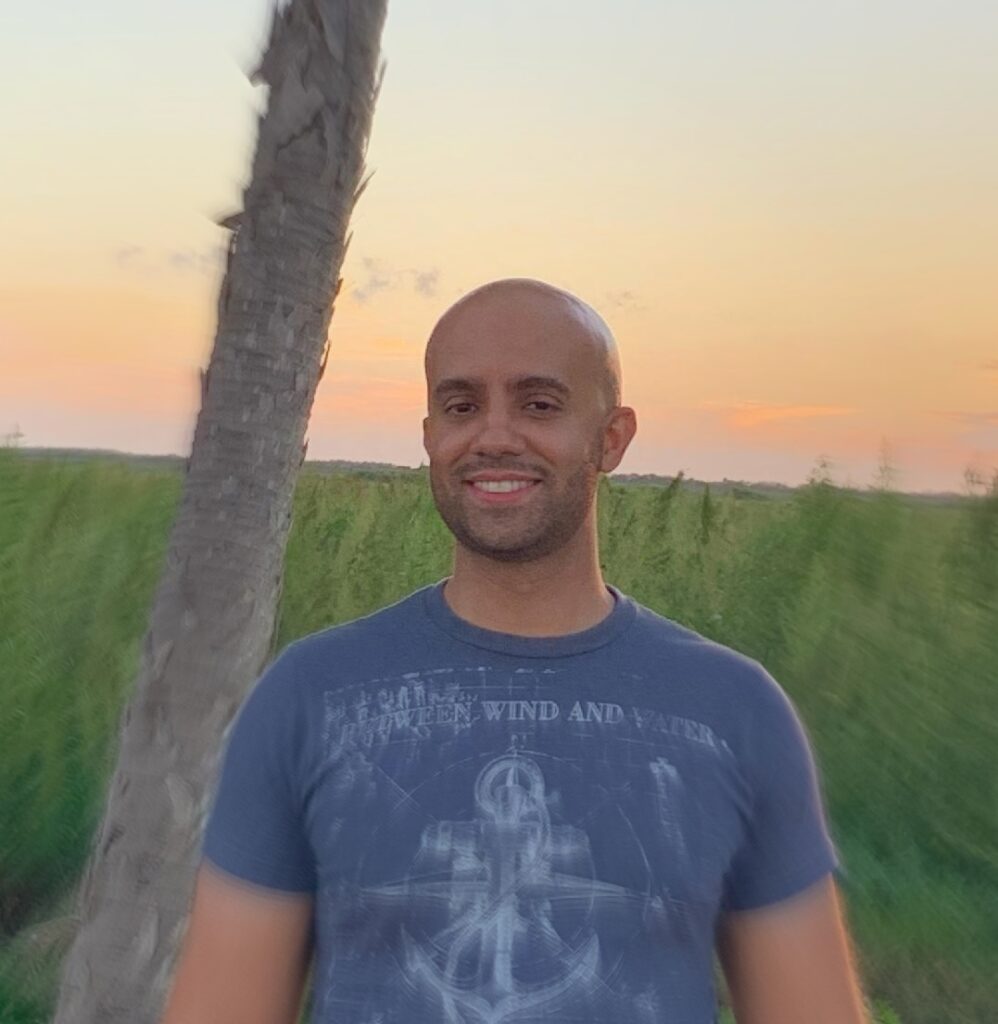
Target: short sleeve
<point>255,829</point>
<point>787,846</point>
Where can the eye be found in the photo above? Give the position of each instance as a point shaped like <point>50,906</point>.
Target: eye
<point>459,407</point>
<point>542,405</point>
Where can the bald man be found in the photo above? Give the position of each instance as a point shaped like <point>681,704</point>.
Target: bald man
<point>517,794</point>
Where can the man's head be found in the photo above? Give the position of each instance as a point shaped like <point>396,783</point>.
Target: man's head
<point>523,396</point>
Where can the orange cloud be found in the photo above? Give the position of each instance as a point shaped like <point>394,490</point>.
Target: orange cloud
<point>748,415</point>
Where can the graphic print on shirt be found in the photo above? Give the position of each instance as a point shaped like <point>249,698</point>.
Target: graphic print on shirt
<point>511,856</point>
<point>500,875</point>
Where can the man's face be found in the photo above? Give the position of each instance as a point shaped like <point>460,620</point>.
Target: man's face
<point>515,430</point>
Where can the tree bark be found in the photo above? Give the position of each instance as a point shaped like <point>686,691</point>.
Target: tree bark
<point>212,622</point>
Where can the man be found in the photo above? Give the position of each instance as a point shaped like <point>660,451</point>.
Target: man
<point>517,794</point>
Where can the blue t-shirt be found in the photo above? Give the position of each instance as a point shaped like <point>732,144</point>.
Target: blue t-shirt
<point>499,828</point>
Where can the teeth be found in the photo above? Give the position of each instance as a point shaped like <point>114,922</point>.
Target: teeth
<point>497,486</point>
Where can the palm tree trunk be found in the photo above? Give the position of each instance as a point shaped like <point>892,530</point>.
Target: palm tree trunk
<point>212,622</point>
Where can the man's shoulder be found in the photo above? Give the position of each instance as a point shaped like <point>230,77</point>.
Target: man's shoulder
<point>735,691</point>
<point>654,628</point>
<point>695,655</point>
<point>362,632</point>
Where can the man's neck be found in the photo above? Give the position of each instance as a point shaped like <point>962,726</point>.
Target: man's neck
<point>550,597</point>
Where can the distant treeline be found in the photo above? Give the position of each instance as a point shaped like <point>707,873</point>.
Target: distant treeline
<point>739,488</point>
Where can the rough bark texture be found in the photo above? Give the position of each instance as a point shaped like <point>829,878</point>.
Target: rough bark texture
<point>213,618</point>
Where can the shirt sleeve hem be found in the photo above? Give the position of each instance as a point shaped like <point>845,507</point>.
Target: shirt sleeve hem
<point>788,887</point>
<point>259,875</point>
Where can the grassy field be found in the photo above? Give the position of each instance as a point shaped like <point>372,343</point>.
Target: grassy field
<point>878,614</point>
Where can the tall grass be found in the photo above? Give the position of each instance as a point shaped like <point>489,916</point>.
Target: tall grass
<point>878,615</point>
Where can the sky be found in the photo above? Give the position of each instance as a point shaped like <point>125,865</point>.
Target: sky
<point>787,212</point>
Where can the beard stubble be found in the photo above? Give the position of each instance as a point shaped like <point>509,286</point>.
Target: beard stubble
<point>518,534</point>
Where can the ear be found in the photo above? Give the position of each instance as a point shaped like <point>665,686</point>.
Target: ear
<point>426,434</point>
<point>617,435</point>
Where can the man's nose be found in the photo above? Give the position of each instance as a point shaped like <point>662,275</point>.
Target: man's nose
<point>498,434</point>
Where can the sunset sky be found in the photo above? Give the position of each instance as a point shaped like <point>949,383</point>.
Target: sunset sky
<point>786,211</point>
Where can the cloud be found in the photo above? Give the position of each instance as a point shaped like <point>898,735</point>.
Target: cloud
<point>203,261</point>
<point>128,255</point>
<point>376,279</point>
<point>138,259</point>
<point>380,277</point>
<point>426,281</point>
<point>990,366</point>
<point>624,299</point>
<point>969,419</point>
<point>746,415</point>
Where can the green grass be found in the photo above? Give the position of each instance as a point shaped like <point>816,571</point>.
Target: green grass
<point>879,615</point>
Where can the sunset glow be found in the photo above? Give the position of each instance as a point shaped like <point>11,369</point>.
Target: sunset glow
<point>786,214</point>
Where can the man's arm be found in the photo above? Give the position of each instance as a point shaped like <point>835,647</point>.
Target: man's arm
<point>245,955</point>
<point>791,962</point>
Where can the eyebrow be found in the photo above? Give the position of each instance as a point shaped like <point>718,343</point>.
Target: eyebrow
<point>452,385</point>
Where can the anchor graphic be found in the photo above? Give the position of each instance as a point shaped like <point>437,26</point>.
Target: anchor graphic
<point>510,886</point>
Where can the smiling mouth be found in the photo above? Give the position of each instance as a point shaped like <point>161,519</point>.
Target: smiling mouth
<point>500,492</point>
<point>502,486</point>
